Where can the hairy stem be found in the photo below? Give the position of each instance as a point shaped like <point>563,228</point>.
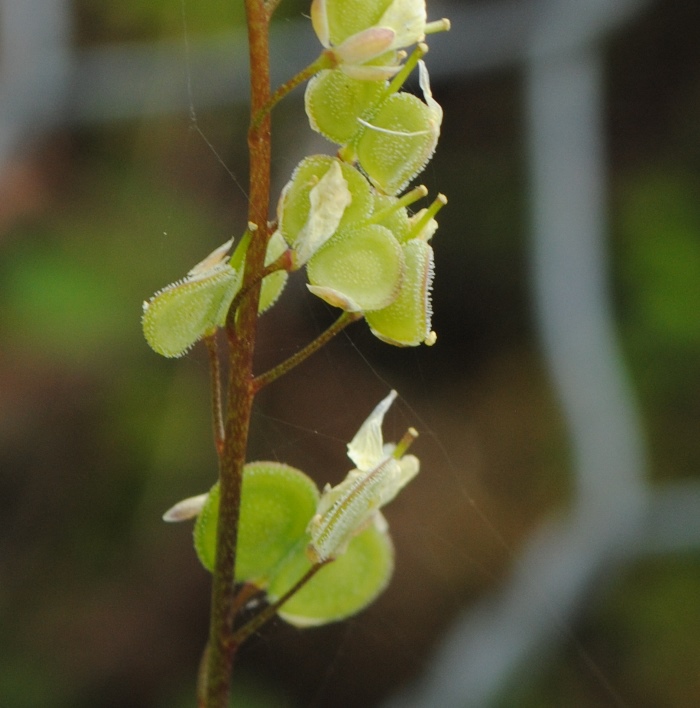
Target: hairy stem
<point>241,332</point>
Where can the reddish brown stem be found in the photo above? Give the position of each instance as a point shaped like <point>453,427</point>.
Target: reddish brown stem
<point>241,332</point>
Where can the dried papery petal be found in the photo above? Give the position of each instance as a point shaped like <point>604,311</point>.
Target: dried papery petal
<point>383,68</point>
<point>295,207</point>
<point>406,321</point>
<point>365,46</point>
<point>328,199</point>
<point>366,449</point>
<point>319,21</point>
<point>334,102</point>
<point>365,265</point>
<point>186,509</point>
<point>335,298</point>
<point>336,20</point>
<point>407,18</point>
<point>424,83</point>
<point>215,259</point>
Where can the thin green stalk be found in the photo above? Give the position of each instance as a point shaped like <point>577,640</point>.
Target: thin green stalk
<point>338,326</point>
<point>270,611</point>
<point>347,153</point>
<point>324,61</point>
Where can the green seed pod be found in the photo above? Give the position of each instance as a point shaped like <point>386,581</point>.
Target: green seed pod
<point>398,142</point>
<point>406,321</point>
<point>299,218</point>
<point>341,588</point>
<point>276,504</point>
<point>334,102</point>
<point>182,313</point>
<point>358,270</point>
<point>274,283</point>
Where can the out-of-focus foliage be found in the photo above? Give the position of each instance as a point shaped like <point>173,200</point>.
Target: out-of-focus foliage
<point>134,19</point>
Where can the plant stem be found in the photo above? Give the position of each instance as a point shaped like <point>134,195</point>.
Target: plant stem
<point>284,262</point>
<point>324,61</point>
<point>273,374</point>
<point>217,411</point>
<point>241,333</point>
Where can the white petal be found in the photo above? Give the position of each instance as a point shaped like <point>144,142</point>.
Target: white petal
<point>407,18</point>
<point>186,509</point>
<point>365,45</point>
<point>424,81</point>
<point>366,448</point>
<point>210,263</point>
<point>319,20</point>
<point>335,298</point>
<point>407,468</point>
<point>329,199</point>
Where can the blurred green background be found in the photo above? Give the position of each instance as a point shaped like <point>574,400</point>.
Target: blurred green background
<point>101,604</point>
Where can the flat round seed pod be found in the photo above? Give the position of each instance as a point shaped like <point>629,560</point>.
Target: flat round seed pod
<point>182,313</point>
<point>274,283</point>
<point>340,589</point>
<point>295,203</point>
<point>276,505</point>
<point>406,321</point>
<point>362,266</point>
<point>334,102</point>
<point>398,142</point>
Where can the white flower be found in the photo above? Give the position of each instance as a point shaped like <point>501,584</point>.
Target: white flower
<point>348,508</point>
<point>335,22</point>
